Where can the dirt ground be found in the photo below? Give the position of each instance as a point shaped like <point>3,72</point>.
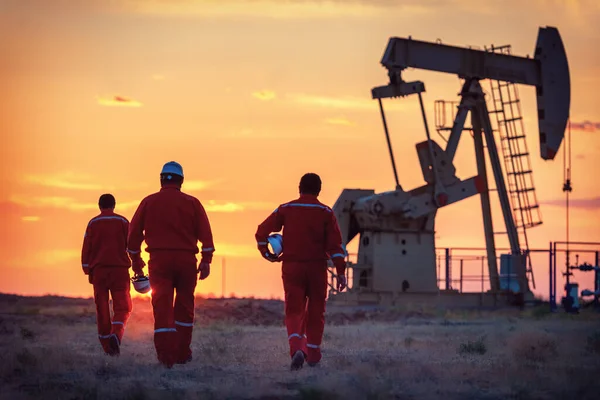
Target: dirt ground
<point>49,350</point>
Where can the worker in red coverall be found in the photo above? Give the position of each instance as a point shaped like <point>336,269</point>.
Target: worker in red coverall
<point>104,259</point>
<point>172,222</point>
<point>311,237</point>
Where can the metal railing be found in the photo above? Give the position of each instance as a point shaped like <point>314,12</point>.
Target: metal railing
<point>464,269</point>
<point>560,254</point>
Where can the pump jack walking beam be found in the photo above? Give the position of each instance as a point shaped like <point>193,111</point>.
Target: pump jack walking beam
<point>548,71</point>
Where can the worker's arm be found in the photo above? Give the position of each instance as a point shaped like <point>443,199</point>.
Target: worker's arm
<point>86,250</point>
<point>125,225</point>
<point>334,247</point>
<point>273,223</point>
<point>136,237</point>
<point>205,235</point>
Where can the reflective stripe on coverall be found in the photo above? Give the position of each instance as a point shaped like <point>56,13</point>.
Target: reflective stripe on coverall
<point>311,236</point>
<point>104,258</point>
<point>172,222</point>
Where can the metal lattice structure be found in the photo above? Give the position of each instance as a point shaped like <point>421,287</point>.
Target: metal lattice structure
<point>505,104</point>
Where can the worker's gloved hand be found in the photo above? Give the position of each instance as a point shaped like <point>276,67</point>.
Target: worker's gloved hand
<point>91,278</point>
<point>341,283</point>
<point>137,265</point>
<point>270,257</point>
<point>264,252</point>
<point>204,270</point>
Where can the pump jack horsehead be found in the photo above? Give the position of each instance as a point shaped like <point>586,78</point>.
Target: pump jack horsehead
<point>396,228</point>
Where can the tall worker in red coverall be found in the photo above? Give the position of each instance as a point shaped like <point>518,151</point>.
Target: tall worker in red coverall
<point>311,236</point>
<point>104,259</point>
<point>172,222</point>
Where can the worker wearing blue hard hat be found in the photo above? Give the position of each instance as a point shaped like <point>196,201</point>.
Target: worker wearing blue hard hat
<point>171,223</point>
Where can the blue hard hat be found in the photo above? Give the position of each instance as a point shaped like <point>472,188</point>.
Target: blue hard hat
<point>172,167</point>
<point>276,242</point>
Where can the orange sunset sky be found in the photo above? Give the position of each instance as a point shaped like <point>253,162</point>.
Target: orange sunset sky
<point>248,95</point>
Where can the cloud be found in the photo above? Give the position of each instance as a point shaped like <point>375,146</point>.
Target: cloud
<point>71,204</point>
<point>230,207</point>
<point>33,260</point>
<point>312,9</point>
<point>576,10</point>
<point>339,121</point>
<point>587,126</point>
<point>591,203</point>
<point>212,206</point>
<point>52,202</point>
<point>264,95</point>
<point>341,103</point>
<point>128,205</point>
<point>67,180</point>
<point>58,256</point>
<point>191,185</point>
<point>290,9</point>
<point>118,101</point>
<point>30,218</point>
<point>64,203</point>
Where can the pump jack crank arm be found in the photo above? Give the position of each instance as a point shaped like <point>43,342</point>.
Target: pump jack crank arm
<point>440,196</point>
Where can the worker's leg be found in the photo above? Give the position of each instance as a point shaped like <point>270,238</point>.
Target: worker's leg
<point>185,284</point>
<point>102,308</point>
<point>304,320</point>
<point>119,290</point>
<point>165,334</point>
<point>294,285</point>
<point>317,293</point>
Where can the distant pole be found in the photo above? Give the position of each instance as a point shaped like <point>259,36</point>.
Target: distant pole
<point>461,275</point>
<point>567,188</point>
<point>223,277</point>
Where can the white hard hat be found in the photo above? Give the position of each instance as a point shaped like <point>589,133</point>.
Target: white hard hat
<point>141,284</point>
<point>172,167</point>
<point>276,242</point>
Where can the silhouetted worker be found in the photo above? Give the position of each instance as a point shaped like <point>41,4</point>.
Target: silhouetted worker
<point>104,258</point>
<point>172,222</point>
<point>311,236</point>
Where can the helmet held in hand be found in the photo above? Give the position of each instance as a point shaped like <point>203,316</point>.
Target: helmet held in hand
<point>141,283</point>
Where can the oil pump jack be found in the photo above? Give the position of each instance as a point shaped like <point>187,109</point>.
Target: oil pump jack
<point>396,251</point>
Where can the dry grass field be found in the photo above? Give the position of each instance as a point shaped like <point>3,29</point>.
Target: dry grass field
<point>49,350</point>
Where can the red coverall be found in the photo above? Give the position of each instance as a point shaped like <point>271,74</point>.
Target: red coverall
<point>172,222</point>
<point>311,236</point>
<point>104,258</point>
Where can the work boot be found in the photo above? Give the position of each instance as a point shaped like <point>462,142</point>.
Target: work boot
<point>113,343</point>
<point>187,360</point>
<point>166,361</point>
<point>297,361</point>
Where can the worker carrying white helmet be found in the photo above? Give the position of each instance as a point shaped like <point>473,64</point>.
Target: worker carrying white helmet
<point>171,223</point>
